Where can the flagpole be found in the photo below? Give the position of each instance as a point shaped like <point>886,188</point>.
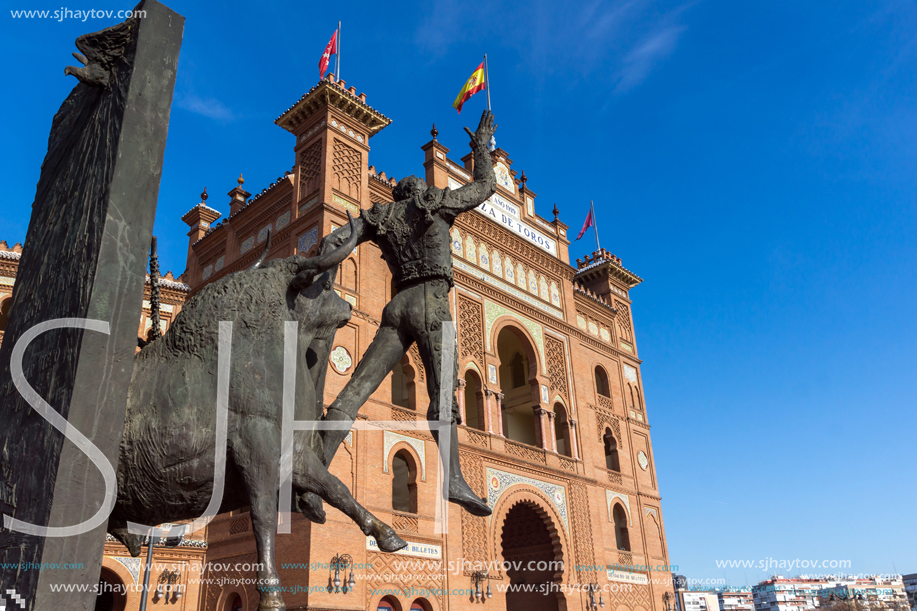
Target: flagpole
<point>337,58</point>
<point>487,81</point>
<point>595,225</point>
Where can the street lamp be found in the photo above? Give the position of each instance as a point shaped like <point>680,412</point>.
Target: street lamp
<point>340,563</point>
<point>591,604</point>
<point>478,578</point>
<point>150,541</point>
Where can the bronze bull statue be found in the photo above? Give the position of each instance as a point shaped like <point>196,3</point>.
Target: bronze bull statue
<point>167,456</point>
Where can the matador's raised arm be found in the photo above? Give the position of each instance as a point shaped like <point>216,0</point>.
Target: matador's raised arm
<point>474,194</point>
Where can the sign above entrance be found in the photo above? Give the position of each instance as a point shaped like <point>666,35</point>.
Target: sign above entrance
<point>421,550</point>
<point>627,577</point>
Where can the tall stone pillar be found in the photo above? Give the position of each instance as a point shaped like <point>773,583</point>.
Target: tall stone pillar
<point>500,396</point>
<point>573,435</point>
<point>85,258</point>
<point>552,432</point>
<point>542,427</point>
<point>488,415</point>
<point>461,399</point>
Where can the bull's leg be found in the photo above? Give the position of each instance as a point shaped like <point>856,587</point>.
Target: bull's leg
<point>314,477</point>
<point>261,475</point>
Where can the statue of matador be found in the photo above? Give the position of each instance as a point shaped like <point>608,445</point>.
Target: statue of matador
<point>413,234</point>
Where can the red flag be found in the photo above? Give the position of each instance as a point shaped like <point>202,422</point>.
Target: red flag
<point>590,222</point>
<point>330,50</point>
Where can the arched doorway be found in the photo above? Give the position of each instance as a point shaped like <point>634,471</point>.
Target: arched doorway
<point>528,554</point>
<point>516,372</point>
<point>112,593</point>
<point>388,604</point>
<point>233,603</point>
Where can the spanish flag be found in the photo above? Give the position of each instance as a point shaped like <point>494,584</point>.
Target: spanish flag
<point>474,84</point>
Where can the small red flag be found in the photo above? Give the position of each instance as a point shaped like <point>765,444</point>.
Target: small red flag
<point>590,222</point>
<point>330,50</point>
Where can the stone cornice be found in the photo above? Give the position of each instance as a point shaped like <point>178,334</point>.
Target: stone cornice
<point>327,93</point>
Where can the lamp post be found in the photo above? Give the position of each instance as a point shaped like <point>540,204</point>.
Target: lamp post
<point>591,604</point>
<point>478,578</point>
<point>152,540</point>
<point>339,564</point>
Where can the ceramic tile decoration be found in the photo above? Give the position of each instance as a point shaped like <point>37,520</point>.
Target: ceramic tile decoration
<point>491,373</point>
<point>507,288</point>
<point>247,244</point>
<point>499,482</point>
<point>308,240</point>
<point>131,564</point>
<point>220,263</point>
<point>630,374</point>
<point>610,496</point>
<point>346,204</point>
<point>262,235</point>
<point>642,460</point>
<point>493,310</point>
<point>208,271</point>
<point>282,221</point>
<point>341,359</point>
<point>303,207</point>
<point>390,438</point>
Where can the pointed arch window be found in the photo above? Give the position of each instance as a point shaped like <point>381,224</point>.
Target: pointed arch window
<point>404,484</point>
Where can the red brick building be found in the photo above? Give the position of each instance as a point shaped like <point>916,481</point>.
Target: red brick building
<point>556,432</point>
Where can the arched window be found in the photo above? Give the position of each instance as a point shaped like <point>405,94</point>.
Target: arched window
<point>348,274</point>
<point>601,382</point>
<point>622,539</point>
<point>233,603</point>
<point>611,452</point>
<point>404,391</point>
<point>5,312</point>
<point>474,401</point>
<point>516,371</point>
<point>404,486</point>
<point>562,431</point>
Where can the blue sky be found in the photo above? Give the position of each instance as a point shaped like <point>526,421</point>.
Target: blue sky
<point>754,162</point>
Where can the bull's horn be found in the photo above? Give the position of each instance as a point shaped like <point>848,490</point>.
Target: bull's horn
<point>320,263</point>
<point>267,246</point>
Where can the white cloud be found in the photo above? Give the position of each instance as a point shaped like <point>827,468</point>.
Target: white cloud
<point>641,60</point>
<point>207,107</point>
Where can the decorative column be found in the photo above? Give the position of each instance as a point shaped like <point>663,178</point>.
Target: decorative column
<point>500,397</point>
<point>488,417</point>
<point>542,425</point>
<point>573,450</point>
<point>461,399</point>
<point>552,432</point>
